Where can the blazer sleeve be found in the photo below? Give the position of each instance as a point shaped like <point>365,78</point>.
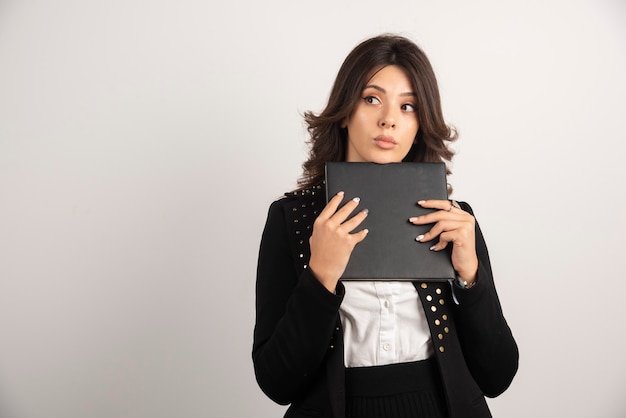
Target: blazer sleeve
<point>295,316</point>
<point>490,350</point>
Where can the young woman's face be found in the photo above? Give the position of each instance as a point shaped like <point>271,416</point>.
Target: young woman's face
<point>384,123</point>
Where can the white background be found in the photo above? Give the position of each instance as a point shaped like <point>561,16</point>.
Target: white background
<point>141,143</point>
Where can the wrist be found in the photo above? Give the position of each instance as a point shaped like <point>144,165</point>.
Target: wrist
<point>328,281</point>
<point>466,281</point>
<point>465,284</point>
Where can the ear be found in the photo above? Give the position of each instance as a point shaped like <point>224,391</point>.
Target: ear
<point>344,123</point>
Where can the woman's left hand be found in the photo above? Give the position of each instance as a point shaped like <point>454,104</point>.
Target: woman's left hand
<point>452,225</point>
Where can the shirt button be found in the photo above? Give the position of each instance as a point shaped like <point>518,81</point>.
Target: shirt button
<point>386,304</point>
<point>386,346</point>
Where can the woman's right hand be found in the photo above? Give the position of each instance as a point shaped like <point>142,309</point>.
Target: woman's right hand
<point>331,241</point>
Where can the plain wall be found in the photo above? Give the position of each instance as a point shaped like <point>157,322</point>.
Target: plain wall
<point>141,144</point>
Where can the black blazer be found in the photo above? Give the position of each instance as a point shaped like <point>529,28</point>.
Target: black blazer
<point>298,345</point>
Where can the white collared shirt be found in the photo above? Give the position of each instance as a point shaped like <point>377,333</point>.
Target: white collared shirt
<point>383,323</point>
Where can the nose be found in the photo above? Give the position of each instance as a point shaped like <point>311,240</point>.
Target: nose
<point>387,119</point>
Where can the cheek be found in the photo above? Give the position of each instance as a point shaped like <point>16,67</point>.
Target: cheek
<point>415,126</point>
<point>356,124</point>
<point>412,126</point>
<point>361,119</point>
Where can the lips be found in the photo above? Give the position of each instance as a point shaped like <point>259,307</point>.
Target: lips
<point>385,142</point>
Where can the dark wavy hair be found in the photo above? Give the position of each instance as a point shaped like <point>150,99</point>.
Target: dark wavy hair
<point>328,140</point>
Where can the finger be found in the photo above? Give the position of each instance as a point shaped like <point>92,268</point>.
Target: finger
<point>438,228</point>
<point>342,213</point>
<point>436,204</point>
<point>352,223</point>
<point>359,236</point>
<point>444,240</point>
<point>440,215</point>
<point>331,206</point>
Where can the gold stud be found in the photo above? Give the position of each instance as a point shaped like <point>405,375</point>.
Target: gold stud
<point>424,285</point>
<point>441,349</point>
<point>433,308</point>
<point>429,298</point>
<point>445,317</point>
<point>437,322</point>
<point>440,336</point>
<point>438,291</point>
<point>446,330</point>
<point>441,301</point>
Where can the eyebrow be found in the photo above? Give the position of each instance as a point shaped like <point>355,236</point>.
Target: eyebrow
<point>382,90</point>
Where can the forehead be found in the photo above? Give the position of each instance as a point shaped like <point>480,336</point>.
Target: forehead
<point>389,74</point>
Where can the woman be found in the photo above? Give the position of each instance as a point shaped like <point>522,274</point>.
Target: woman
<point>377,348</point>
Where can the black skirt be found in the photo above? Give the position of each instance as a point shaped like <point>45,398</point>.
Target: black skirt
<point>401,390</point>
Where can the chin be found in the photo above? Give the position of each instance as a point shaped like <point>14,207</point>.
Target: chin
<point>385,159</point>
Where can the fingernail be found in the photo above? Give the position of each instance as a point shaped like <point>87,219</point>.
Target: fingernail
<point>366,211</point>
<point>419,238</point>
<point>366,231</point>
<point>340,193</point>
<point>357,199</point>
<point>421,202</point>
<point>413,219</point>
<point>433,248</point>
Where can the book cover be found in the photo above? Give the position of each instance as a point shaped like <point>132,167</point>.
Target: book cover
<point>390,192</point>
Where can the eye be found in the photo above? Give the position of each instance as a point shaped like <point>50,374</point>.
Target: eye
<point>371,100</point>
<point>408,107</point>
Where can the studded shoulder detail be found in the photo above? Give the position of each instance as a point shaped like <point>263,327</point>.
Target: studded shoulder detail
<point>301,210</point>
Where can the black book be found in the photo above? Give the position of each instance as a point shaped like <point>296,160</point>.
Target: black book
<point>390,192</point>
